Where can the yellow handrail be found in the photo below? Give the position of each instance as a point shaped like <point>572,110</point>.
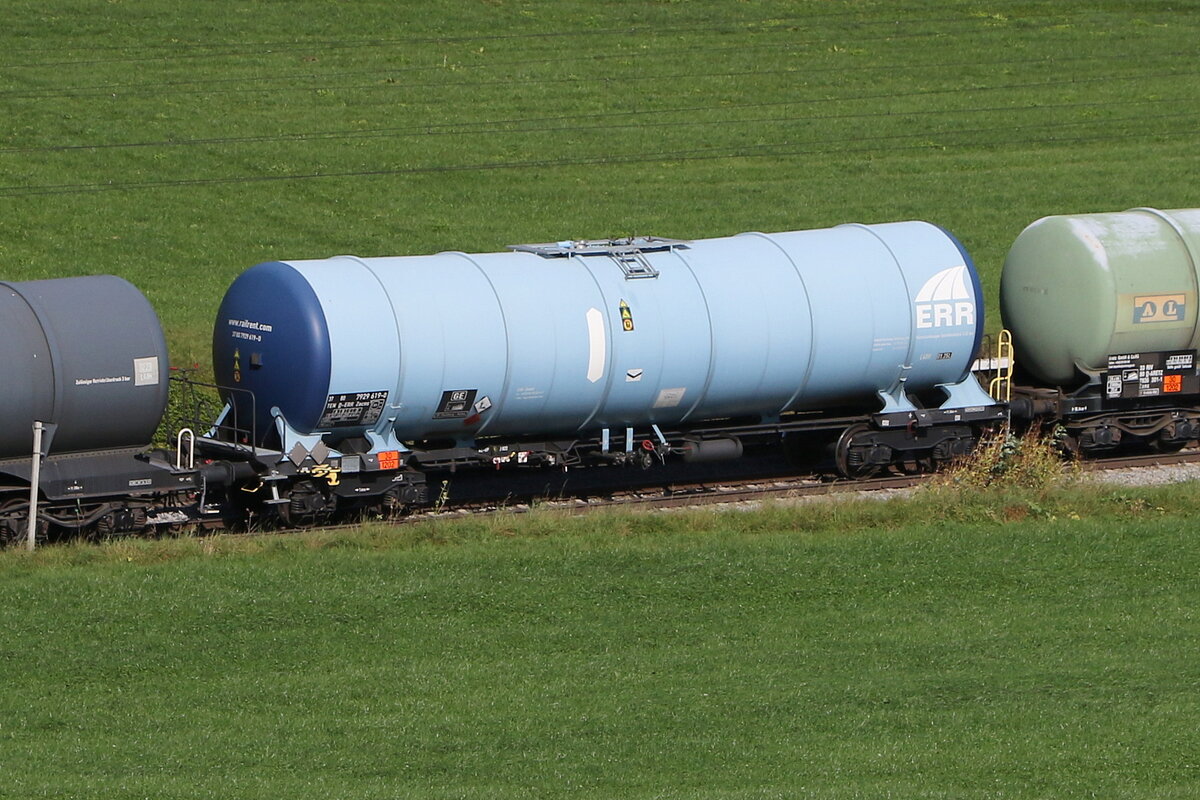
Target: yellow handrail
<point>1001,385</point>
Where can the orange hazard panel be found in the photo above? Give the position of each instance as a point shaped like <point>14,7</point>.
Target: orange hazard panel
<point>1172,383</point>
<point>389,459</point>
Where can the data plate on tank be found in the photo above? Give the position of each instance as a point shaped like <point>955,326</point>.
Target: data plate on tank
<point>1136,375</point>
<point>354,410</point>
<point>456,404</point>
<point>145,371</point>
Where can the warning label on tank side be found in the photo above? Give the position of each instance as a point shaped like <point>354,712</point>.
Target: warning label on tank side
<point>483,404</point>
<point>359,409</point>
<point>626,316</point>
<point>1134,375</point>
<point>456,404</point>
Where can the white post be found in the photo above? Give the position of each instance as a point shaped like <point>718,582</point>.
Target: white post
<point>35,477</point>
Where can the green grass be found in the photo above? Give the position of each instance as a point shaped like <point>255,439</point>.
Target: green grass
<point>994,644</point>
<point>767,654</point>
<point>176,146</point>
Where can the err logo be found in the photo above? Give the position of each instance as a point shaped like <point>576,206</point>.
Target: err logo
<point>946,300</point>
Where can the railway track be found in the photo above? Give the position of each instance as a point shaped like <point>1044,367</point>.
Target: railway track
<point>764,482</point>
<point>749,489</point>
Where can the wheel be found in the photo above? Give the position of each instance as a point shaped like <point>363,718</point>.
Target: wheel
<point>1170,446</point>
<point>306,506</point>
<point>1068,446</point>
<point>913,464</point>
<point>392,505</point>
<point>9,536</point>
<point>15,532</point>
<point>856,462</point>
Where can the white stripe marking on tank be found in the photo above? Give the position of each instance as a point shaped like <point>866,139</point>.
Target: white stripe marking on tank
<point>597,346</point>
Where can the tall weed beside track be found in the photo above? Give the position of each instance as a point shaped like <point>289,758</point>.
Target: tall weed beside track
<point>1031,460</point>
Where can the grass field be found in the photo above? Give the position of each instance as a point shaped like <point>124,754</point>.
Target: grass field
<point>973,645</point>
<point>1014,648</point>
<point>177,145</point>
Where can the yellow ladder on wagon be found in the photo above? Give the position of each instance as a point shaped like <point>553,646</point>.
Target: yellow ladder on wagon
<point>1001,386</point>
